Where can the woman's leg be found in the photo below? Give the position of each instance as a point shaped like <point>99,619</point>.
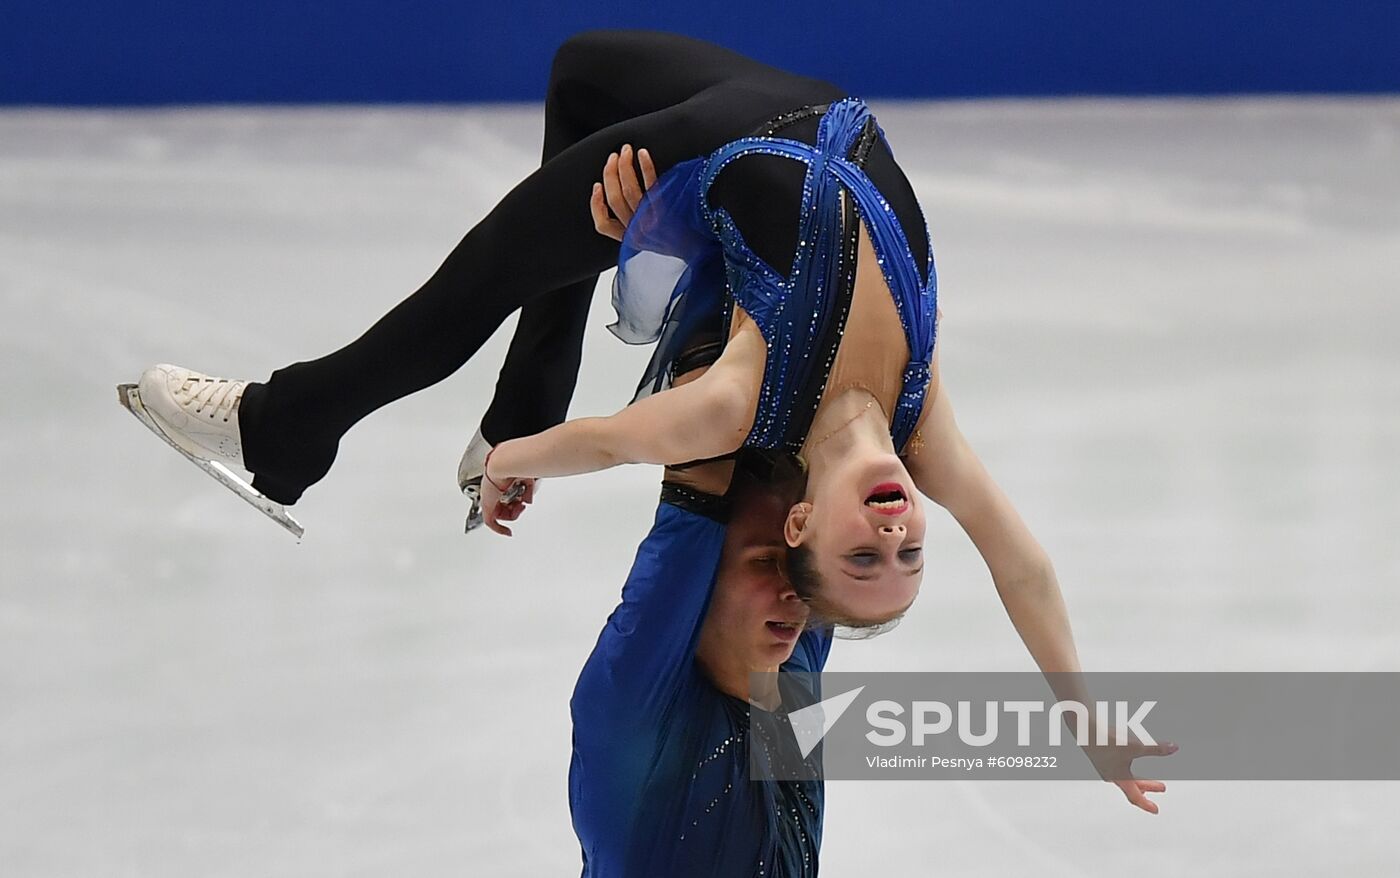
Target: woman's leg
<point>598,78</point>
<point>538,240</point>
<point>537,380</point>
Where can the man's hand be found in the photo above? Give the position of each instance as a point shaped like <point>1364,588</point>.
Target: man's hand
<point>621,190</point>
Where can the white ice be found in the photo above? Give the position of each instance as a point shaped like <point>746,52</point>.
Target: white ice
<point>1170,331</point>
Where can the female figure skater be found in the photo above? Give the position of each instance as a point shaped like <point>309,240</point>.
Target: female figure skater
<point>683,98</point>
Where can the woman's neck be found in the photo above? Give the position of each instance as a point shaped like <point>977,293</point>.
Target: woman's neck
<point>848,425</point>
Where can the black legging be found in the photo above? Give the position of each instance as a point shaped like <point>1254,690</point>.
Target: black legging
<point>538,251</point>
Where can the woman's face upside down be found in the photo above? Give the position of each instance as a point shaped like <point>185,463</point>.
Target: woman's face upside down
<point>861,532</point>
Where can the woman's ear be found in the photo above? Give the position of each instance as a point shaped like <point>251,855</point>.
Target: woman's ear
<point>796,525</point>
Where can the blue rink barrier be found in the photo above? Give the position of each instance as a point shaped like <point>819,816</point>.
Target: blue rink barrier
<point>292,51</point>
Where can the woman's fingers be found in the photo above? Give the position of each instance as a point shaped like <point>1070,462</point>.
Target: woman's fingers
<point>612,187</point>
<point>1135,794</point>
<point>615,201</point>
<point>1162,748</point>
<point>494,511</point>
<point>627,178</point>
<point>489,518</point>
<point>602,220</point>
<point>500,512</point>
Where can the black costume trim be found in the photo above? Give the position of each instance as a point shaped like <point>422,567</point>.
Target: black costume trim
<point>713,507</point>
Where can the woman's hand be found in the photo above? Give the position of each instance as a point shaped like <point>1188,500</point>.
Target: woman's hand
<point>508,505</point>
<point>1114,763</point>
<point>497,507</point>
<point>621,191</point>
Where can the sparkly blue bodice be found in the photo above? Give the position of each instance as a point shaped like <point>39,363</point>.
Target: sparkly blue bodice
<point>680,254</point>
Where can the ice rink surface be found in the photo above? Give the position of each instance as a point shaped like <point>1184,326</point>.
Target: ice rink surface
<point>1171,330</point>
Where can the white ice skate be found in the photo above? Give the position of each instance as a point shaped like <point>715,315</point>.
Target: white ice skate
<point>470,472</point>
<point>197,415</point>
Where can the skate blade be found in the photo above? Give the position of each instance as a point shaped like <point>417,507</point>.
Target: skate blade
<point>474,517</point>
<point>129,396</point>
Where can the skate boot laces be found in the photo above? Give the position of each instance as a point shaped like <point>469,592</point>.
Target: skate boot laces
<point>219,395</point>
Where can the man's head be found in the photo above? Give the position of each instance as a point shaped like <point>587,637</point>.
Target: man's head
<point>755,616</point>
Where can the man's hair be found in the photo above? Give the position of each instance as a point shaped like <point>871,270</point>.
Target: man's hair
<point>775,473</point>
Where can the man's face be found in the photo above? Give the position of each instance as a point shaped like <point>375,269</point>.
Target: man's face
<point>754,612</point>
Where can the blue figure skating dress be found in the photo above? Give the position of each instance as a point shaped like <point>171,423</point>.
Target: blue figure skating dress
<point>658,784</point>
<point>684,264</point>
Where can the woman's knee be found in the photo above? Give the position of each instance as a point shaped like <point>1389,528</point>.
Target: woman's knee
<point>581,53</point>
<point>577,101</point>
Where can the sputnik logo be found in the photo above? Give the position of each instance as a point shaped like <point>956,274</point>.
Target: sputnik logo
<point>811,723</point>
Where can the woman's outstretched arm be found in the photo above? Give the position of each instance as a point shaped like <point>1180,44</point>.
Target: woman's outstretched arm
<point>947,471</point>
